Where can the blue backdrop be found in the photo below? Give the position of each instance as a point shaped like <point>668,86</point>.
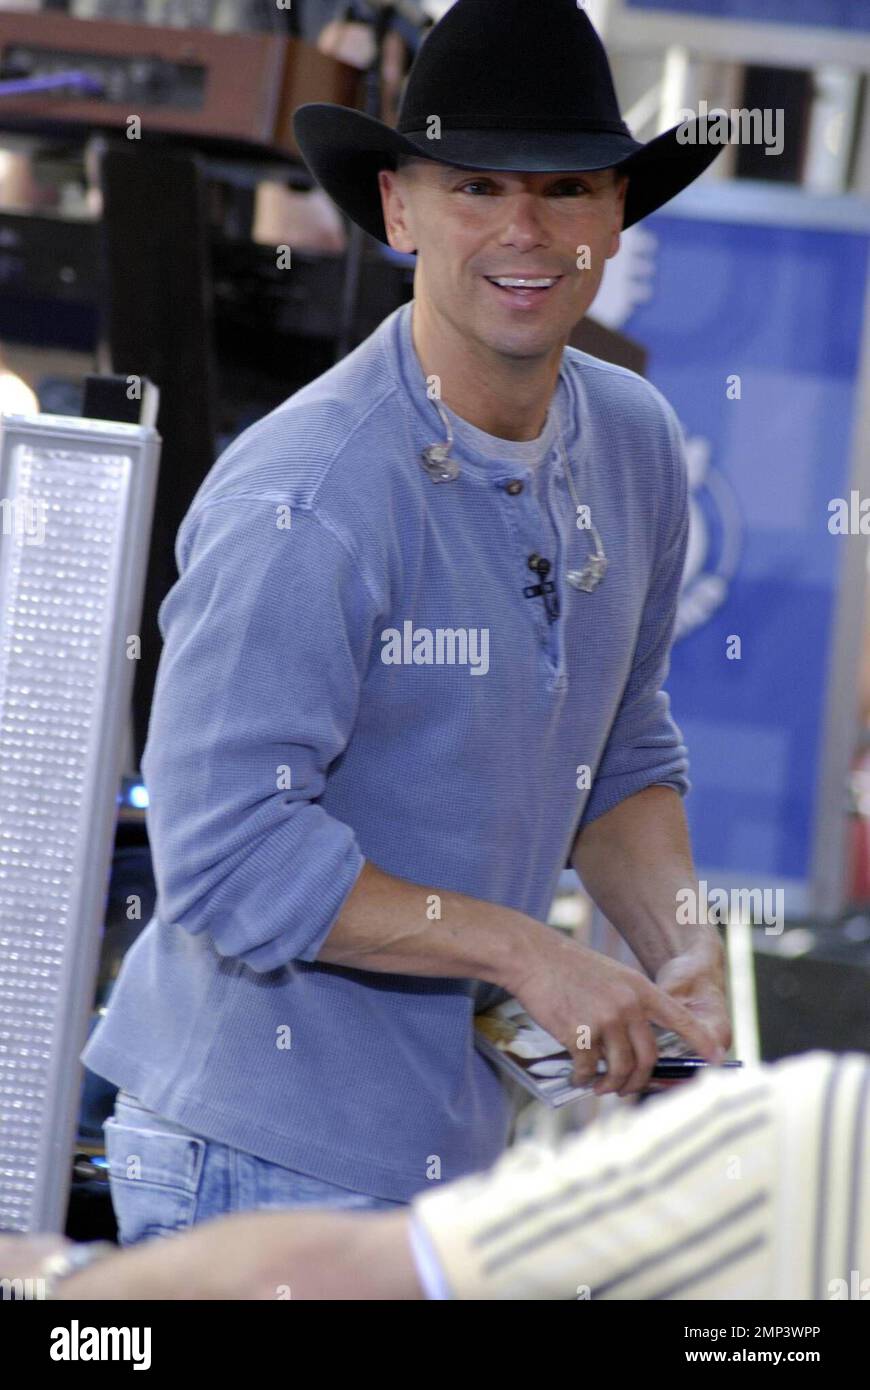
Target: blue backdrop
<point>781,307</point>
<point>834,14</point>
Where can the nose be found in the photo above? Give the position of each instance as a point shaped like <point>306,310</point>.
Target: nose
<point>524,222</point>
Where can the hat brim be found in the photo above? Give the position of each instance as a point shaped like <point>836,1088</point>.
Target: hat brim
<point>344,149</point>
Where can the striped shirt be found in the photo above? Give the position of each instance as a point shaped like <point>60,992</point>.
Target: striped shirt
<point>741,1185</point>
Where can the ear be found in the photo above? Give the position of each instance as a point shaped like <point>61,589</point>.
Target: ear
<point>395,210</point>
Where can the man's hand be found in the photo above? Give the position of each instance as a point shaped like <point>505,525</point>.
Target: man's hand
<point>696,979</point>
<point>635,861</point>
<point>582,997</point>
<point>22,1255</point>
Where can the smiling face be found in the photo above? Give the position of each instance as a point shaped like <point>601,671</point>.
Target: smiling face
<point>471,228</point>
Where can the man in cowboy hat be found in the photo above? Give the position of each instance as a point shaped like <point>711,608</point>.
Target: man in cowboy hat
<point>412,669</point>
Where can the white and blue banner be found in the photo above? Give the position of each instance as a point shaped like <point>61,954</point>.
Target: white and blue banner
<point>831,14</point>
<point>754,334</point>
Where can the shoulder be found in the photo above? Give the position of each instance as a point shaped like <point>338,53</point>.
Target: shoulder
<point>326,455</point>
<point>639,404</point>
<point>634,425</point>
<point>293,451</point>
<point>308,451</point>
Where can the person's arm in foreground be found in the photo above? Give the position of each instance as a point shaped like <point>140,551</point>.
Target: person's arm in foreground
<point>694,1195</point>
<point>295,1255</point>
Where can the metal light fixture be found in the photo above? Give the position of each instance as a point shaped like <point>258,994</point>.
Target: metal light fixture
<point>76,503</point>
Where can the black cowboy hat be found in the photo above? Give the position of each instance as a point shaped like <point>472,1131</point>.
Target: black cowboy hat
<point>522,85</point>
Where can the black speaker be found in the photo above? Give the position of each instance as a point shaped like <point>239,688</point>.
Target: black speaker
<point>813,987</point>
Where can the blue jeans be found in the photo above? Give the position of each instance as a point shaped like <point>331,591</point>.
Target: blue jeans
<point>164,1178</point>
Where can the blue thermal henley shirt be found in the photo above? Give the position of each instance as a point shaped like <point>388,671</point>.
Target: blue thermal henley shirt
<point>285,749</point>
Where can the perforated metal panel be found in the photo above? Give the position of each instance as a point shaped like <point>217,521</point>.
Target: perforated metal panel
<point>75,515</point>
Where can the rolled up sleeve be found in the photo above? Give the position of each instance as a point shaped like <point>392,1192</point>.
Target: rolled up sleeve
<point>267,634</point>
<point>644,747</point>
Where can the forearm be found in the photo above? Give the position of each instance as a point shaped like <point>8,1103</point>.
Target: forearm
<point>633,861</point>
<point>263,1255</point>
<point>390,924</point>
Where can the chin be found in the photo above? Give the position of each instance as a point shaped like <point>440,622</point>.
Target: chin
<point>531,341</point>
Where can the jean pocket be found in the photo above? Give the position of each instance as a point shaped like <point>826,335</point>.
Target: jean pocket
<point>154,1178</point>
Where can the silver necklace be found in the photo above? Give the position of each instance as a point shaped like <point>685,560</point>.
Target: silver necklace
<point>441,468</point>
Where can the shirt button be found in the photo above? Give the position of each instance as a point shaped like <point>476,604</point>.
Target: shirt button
<point>514,487</point>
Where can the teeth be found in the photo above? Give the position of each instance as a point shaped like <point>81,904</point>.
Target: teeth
<point>523,284</point>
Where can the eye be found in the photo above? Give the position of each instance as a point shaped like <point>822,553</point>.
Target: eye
<point>565,185</point>
<point>475,183</point>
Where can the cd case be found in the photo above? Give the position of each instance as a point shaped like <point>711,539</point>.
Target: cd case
<point>510,1037</point>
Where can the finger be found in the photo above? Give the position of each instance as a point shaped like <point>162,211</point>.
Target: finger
<point>669,1013</point>
<point>620,1058</point>
<point>646,1053</point>
<point>585,1065</point>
